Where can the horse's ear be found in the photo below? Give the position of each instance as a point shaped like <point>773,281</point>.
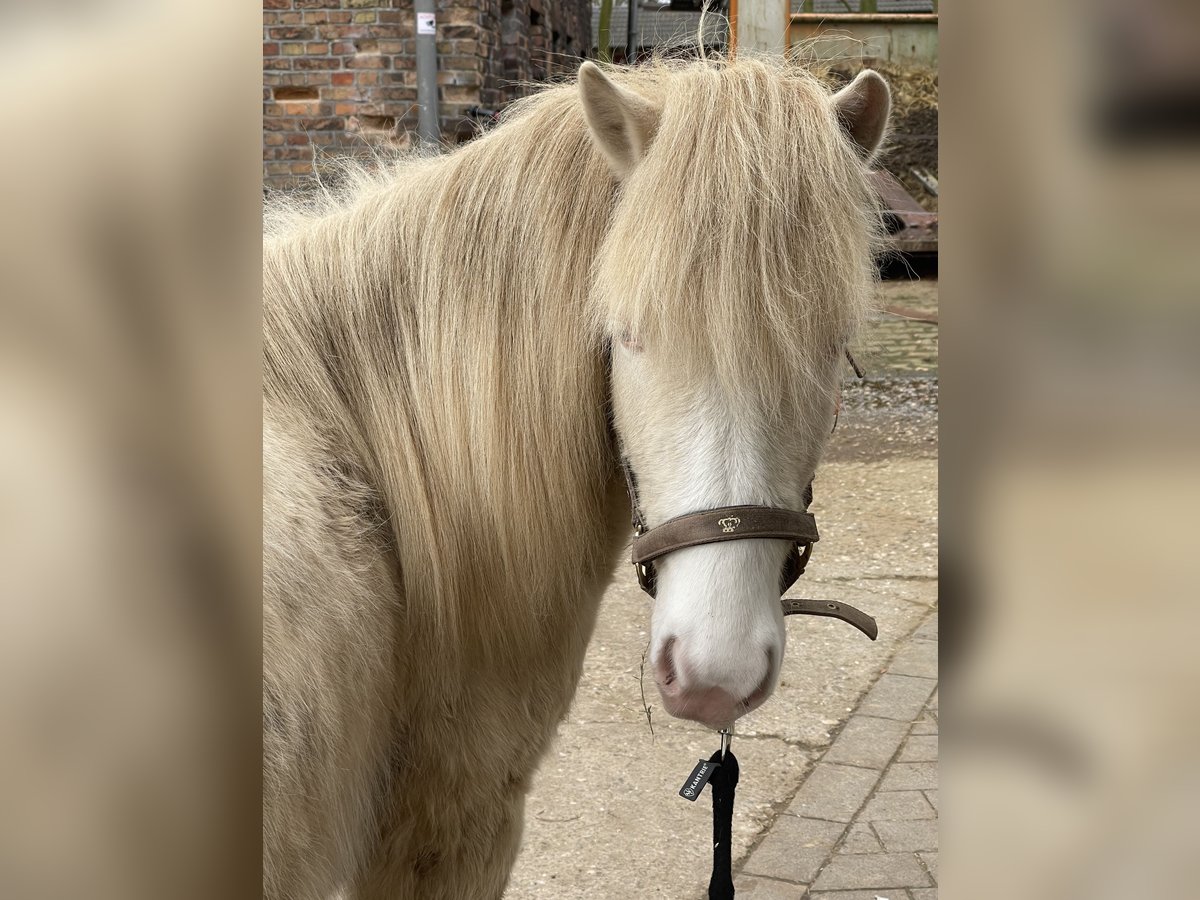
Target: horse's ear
<point>622,123</point>
<point>863,107</point>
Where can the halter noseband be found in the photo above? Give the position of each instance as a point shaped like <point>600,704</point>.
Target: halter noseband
<point>736,523</point>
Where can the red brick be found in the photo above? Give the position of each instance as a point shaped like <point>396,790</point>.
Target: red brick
<point>304,152</point>
<point>461,15</point>
<point>277,4</point>
<point>343,78</point>
<point>368,62</point>
<point>291,33</point>
<point>327,123</point>
<point>396,94</point>
<point>270,49</point>
<point>318,62</point>
<point>300,108</point>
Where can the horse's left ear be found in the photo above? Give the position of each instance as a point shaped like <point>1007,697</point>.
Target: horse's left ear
<point>622,123</point>
<point>863,107</point>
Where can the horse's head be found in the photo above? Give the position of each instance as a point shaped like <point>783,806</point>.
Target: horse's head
<point>737,265</point>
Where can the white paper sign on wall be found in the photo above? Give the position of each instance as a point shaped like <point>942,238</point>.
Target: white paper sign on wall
<point>426,23</point>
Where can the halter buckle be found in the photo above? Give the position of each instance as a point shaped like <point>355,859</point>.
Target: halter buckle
<point>647,579</point>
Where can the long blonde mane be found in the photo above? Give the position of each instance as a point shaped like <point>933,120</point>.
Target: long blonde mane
<point>439,325</point>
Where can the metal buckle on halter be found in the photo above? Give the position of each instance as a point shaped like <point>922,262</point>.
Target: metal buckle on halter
<point>647,577</point>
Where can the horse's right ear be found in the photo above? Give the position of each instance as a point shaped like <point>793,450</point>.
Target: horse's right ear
<point>622,123</point>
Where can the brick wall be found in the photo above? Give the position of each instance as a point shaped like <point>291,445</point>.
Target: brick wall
<point>339,75</point>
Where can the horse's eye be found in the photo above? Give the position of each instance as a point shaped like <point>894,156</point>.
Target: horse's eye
<point>630,341</point>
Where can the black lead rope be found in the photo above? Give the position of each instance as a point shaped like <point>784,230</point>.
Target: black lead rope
<point>724,785</point>
<point>721,770</point>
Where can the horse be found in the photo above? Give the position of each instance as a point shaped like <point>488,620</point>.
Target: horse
<point>665,261</point>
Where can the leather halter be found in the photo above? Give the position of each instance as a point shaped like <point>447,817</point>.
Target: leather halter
<point>735,523</point>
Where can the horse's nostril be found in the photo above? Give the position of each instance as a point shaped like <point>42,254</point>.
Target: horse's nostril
<point>764,686</point>
<point>666,663</point>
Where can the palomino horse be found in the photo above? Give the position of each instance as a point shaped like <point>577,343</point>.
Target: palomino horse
<point>670,257</point>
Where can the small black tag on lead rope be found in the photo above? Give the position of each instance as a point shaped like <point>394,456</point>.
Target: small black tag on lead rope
<point>695,782</point>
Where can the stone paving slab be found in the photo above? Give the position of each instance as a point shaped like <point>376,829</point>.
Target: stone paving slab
<point>861,839</point>
<point>767,889</point>
<point>834,793</point>
<point>795,849</point>
<point>899,697</point>
<point>908,836</point>
<point>910,776</point>
<point>873,870</point>
<point>867,741</point>
<point>898,806</point>
<point>920,748</point>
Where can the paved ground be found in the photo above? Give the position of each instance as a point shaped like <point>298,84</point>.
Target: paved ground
<point>863,825</point>
<point>838,787</point>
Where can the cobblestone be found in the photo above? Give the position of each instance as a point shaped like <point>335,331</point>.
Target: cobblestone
<point>896,344</point>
